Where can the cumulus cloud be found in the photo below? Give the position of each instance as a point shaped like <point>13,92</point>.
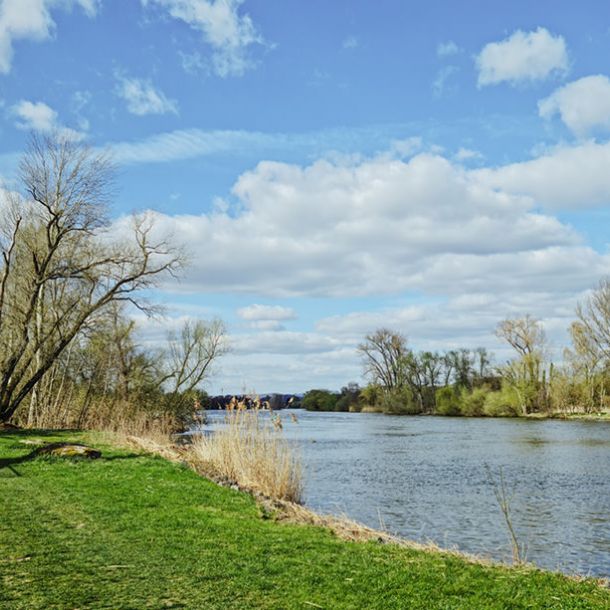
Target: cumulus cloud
<point>222,26</point>
<point>523,56</point>
<point>35,115</point>
<point>143,98</point>
<point>583,105</point>
<point>477,252</point>
<point>568,177</point>
<point>377,226</point>
<point>32,20</point>
<point>38,116</point>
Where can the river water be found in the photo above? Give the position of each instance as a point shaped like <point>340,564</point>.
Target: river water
<point>433,479</point>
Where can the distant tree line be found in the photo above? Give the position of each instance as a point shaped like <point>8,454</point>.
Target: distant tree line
<point>467,382</point>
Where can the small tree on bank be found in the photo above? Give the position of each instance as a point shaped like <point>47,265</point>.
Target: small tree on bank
<point>60,267</point>
<point>526,375</point>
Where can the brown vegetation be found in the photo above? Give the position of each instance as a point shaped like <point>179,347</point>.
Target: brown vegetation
<point>251,451</point>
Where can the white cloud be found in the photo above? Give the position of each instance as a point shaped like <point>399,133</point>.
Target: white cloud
<point>440,84</point>
<point>474,251</point>
<point>142,98</point>
<point>267,325</point>
<point>583,105</point>
<point>446,49</point>
<point>221,25</point>
<point>378,226</point>
<point>38,116</point>
<point>32,20</point>
<point>258,312</point>
<point>568,177</point>
<point>466,154</point>
<point>523,56</point>
<point>35,115</point>
<point>191,143</point>
<point>285,342</point>
<point>406,147</point>
<point>466,320</point>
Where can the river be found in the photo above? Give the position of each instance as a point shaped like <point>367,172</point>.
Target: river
<point>433,479</point>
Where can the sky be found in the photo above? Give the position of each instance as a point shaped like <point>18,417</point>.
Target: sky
<point>336,167</point>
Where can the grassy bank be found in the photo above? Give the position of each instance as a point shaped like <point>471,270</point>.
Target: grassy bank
<point>131,531</point>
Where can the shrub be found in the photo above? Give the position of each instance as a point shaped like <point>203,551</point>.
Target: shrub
<point>371,395</point>
<point>448,401</point>
<point>399,402</point>
<point>504,403</point>
<point>473,402</point>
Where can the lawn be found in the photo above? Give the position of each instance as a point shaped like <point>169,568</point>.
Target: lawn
<point>131,531</point>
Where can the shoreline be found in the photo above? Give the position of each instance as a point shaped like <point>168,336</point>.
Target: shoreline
<point>603,416</point>
<point>343,527</point>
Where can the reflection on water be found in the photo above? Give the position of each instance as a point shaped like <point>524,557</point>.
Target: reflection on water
<point>425,478</point>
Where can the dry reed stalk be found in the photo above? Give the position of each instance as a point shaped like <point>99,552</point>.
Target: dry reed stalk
<point>252,453</point>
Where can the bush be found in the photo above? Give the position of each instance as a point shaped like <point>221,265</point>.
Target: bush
<point>473,402</point>
<point>399,402</point>
<point>504,403</point>
<point>371,395</point>
<point>448,401</point>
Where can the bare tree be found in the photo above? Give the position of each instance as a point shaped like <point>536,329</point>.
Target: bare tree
<point>592,330</point>
<point>192,352</point>
<point>525,334</point>
<point>383,353</point>
<point>60,266</point>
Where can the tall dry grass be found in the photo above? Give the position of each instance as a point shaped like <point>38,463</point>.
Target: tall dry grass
<point>252,452</point>
<point>122,418</point>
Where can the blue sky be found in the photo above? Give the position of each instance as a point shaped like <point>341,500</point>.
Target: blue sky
<point>333,167</point>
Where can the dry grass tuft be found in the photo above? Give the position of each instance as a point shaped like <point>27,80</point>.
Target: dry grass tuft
<point>252,453</point>
<point>161,447</point>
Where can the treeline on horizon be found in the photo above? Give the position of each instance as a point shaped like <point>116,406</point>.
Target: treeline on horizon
<point>466,382</point>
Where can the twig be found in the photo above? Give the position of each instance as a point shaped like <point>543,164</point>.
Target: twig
<point>503,500</point>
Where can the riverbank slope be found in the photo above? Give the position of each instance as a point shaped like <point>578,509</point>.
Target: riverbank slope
<point>131,530</point>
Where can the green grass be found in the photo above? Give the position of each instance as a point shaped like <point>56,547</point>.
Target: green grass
<point>130,531</point>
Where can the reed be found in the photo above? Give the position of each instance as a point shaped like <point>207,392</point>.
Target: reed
<point>252,452</point>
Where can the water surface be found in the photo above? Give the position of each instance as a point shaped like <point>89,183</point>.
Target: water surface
<point>427,479</point>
